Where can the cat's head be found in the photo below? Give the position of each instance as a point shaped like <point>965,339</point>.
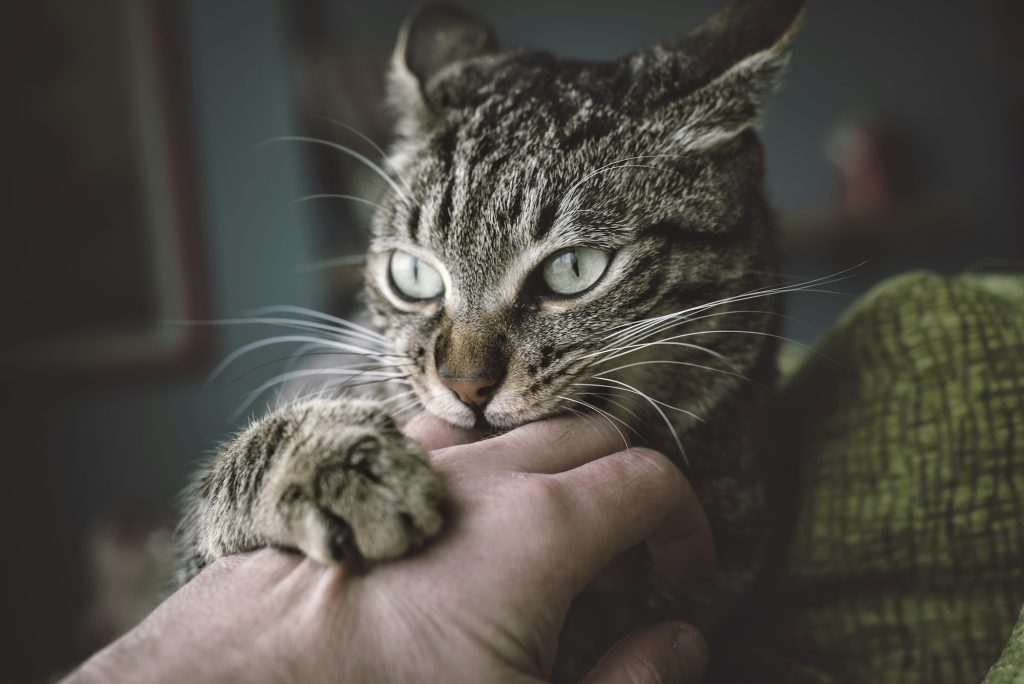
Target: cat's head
<point>540,205</point>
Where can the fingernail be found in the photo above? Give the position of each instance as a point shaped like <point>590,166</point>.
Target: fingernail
<point>691,651</point>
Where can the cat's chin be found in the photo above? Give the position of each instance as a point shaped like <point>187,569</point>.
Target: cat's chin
<point>488,424</point>
<point>505,422</point>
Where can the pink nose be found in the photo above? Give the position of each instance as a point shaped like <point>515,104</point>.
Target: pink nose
<point>472,391</point>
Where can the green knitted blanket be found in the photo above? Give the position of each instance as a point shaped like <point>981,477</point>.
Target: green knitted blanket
<point>906,563</point>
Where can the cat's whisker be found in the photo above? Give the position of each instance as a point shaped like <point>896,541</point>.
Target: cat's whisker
<point>608,414</point>
<point>292,359</point>
<point>650,327</point>
<point>616,352</point>
<point>625,329</point>
<point>664,417</point>
<point>303,394</point>
<point>564,204</point>
<point>336,390</point>
<point>396,397</point>
<point>568,195</point>
<point>626,387</point>
<point>759,333</point>
<point>730,312</point>
<point>405,408</point>
<point>331,332</point>
<point>331,195</point>
<point>349,382</point>
<point>349,260</point>
<point>604,395</point>
<point>350,152</point>
<point>340,348</point>
<point>589,418</point>
<point>608,417</point>
<point>284,378</point>
<point>305,351</point>
<point>313,313</point>
<point>377,148</point>
<point>685,320</point>
<point>690,364</point>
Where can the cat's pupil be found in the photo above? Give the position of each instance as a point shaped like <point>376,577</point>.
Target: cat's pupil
<point>574,269</point>
<point>570,259</point>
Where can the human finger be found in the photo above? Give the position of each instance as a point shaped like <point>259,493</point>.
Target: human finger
<point>629,497</point>
<point>667,652</point>
<point>546,446</point>
<point>433,433</point>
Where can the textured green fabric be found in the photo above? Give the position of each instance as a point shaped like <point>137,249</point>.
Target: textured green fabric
<point>1010,668</point>
<point>907,558</point>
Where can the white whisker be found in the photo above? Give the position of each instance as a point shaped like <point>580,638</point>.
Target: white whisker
<point>616,352</point>
<point>314,342</point>
<point>668,423</point>
<point>377,148</point>
<point>609,166</point>
<point>626,331</point>
<point>316,372</point>
<point>313,313</point>
<point>606,397</point>
<point>331,195</point>
<point>626,387</point>
<point>350,152</point>
<point>350,260</point>
<point>607,416</point>
<point>691,365</point>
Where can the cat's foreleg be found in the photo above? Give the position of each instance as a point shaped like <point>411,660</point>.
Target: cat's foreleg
<point>325,477</point>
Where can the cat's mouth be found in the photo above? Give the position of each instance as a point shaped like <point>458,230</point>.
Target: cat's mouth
<point>508,407</point>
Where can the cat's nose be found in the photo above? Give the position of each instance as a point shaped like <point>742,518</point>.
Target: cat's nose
<point>472,391</point>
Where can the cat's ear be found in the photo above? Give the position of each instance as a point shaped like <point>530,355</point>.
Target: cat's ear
<point>732,63</point>
<point>432,38</point>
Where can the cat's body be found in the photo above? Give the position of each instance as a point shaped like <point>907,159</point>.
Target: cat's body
<point>561,236</point>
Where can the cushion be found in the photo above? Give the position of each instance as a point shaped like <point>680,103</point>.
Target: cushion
<point>906,560</point>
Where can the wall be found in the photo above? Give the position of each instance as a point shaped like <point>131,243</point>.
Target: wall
<point>71,456</point>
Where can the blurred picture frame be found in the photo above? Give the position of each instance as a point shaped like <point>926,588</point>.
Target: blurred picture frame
<point>102,118</point>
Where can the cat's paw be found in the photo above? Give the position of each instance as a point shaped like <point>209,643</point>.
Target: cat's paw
<point>358,489</point>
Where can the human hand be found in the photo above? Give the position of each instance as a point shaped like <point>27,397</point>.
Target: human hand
<point>534,514</point>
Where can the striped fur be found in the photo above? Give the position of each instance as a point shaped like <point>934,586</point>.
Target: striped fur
<point>501,159</point>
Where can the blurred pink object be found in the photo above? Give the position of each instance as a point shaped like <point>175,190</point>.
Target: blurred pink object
<point>130,561</point>
<point>863,155</point>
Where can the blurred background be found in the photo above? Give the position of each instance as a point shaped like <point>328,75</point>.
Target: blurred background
<point>140,190</point>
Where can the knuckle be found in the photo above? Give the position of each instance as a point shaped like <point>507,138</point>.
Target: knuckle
<point>544,496</point>
<point>544,499</point>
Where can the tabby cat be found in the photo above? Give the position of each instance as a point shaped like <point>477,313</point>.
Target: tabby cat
<point>560,236</point>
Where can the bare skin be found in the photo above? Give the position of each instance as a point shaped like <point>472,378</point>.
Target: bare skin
<point>533,517</point>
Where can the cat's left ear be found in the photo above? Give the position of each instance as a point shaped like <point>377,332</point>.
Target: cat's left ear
<point>727,67</point>
<point>432,39</point>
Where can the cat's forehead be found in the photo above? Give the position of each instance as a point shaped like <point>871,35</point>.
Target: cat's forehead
<point>484,219</point>
<point>492,174</point>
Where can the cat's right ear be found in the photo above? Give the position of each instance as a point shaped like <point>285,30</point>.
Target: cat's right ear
<point>432,39</point>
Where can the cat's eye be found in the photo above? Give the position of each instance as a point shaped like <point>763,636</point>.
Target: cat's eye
<point>573,270</point>
<point>413,278</point>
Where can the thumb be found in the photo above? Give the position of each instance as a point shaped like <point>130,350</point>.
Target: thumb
<point>666,652</point>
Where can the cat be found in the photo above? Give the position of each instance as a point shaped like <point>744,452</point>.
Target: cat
<point>560,236</point>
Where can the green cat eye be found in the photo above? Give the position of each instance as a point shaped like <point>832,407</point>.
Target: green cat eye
<point>413,278</point>
<point>573,270</point>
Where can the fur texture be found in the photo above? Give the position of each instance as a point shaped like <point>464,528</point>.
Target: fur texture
<point>501,160</point>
